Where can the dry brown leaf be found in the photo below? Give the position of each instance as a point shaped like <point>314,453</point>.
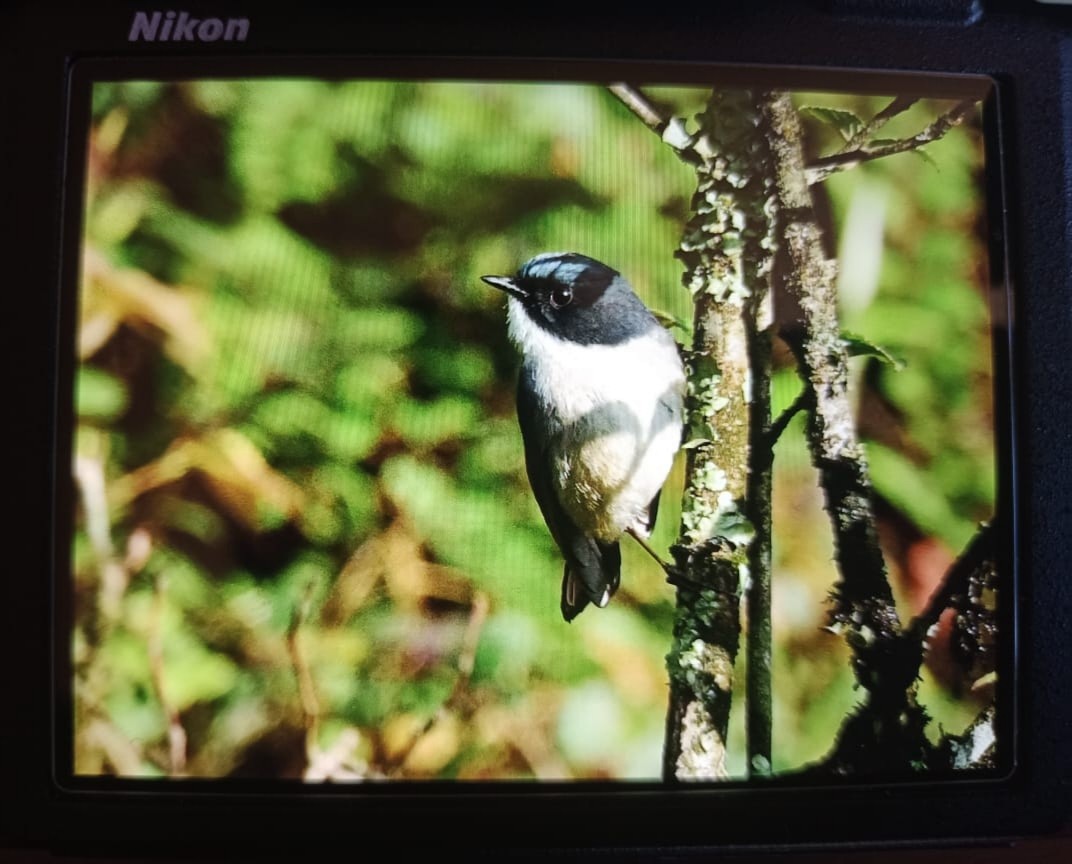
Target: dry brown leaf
<point>113,296</point>
<point>238,474</point>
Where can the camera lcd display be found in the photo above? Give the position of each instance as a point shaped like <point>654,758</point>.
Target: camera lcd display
<point>304,542</point>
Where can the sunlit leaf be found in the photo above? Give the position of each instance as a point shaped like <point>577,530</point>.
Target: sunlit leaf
<point>191,673</point>
<point>444,419</point>
<point>857,346</point>
<point>845,122</point>
<point>99,395</point>
<point>907,487</point>
<point>243,481</point>
<point>112,297</point>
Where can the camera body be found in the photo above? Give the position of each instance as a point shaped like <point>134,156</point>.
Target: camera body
<point>1024,49</point>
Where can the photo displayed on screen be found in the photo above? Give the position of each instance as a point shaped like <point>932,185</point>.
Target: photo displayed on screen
<point>457,430</point>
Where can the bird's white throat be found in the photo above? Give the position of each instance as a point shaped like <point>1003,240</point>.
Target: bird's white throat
<point>573,378</point>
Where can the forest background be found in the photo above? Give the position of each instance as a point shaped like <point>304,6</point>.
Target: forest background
<point>305,543</point>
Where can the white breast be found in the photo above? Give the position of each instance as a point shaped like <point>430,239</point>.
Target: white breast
<point>614,414</point>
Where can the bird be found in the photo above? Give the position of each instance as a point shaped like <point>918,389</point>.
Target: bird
<point>600,404</point>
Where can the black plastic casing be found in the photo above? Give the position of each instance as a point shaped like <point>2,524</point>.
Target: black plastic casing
<point>1025,48</point>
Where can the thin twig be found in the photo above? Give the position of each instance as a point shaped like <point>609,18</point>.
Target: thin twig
<point>646,546</point>
<point>114,578</point>
<point>310,704</point>
<point>801,403</point>
<point>478,615</point>
<point>899,105</point>
<point>176,732</point>
<point>638,103</point>
<point>955,583</point>
<point>822,168</point>
<point>670,129</point>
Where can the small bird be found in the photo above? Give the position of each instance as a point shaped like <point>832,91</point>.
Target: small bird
<point>600,402</point>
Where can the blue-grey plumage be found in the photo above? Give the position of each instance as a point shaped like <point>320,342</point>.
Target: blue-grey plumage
<point>600,405</point>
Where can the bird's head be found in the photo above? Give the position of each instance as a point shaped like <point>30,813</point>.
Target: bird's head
<point>576,299</point>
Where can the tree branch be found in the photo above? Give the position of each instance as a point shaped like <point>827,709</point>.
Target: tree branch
<point>863,599</point>
<point>825,166</point>
<point>978,553</point>
<point>727,253</point>
<point>803,402</point>
<point>670,129</point>
<point>899,105</point>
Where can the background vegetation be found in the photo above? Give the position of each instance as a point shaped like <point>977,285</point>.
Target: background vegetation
<point>305,543</point>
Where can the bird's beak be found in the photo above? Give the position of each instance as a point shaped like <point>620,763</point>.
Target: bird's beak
<point>505,283</point>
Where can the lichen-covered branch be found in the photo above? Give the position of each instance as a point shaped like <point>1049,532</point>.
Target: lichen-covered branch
<point>976,748</point>
<point>871,740</point>
<point>670,129</point>
<point>886,732</point>
<point>889,722</point>
<point>727,252</point>
<point>863,599</point>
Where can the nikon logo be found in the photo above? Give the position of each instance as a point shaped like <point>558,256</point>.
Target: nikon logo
<point>182,27</point>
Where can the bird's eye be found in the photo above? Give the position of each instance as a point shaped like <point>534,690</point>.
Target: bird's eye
<point>561,296</point>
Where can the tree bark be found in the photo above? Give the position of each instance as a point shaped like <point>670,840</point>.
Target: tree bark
<point>727,251</point>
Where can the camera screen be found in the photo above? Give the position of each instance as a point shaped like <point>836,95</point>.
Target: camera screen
<point>480,430</point>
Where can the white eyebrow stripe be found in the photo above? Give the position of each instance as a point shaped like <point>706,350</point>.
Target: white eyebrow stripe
<point>568,273</point>
<point>549,263</point>
<point>548,256</point>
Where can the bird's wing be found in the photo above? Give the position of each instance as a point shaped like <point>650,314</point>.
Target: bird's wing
<point>652,513</point>
<point>672,404</point>
<point>592,566</point>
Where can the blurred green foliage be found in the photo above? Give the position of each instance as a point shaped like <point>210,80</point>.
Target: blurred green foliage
<point>306,545</point>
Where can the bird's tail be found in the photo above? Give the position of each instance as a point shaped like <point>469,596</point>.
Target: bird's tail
<point>591,578</point>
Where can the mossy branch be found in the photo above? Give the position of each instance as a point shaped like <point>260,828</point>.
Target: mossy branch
<point>886,732</point>
<point>864,601</point>
<point>727,251</point>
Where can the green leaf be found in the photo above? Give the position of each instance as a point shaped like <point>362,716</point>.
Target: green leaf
<point>910,488</point>
<point>670,321</point>
<point>371,379</point>
<point>382,329</point>
<point>478,533</point>
<point>857,346</point>
<point>350,437</point>
<point>424,424</point>
<point>926,157</point>
<point>845,122</point>
<point>458,368</point>
<point>192,673</point>
<point>879,143</point>
<point>354,490</point>
<point>100,396</point>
